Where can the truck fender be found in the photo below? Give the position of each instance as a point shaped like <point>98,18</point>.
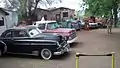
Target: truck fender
<point>5,47</point>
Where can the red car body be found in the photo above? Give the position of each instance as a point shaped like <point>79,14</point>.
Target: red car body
<point>53,27</point>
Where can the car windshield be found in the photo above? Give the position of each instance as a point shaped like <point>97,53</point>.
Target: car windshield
<point>65,25</point>
<point>33,32</point>
<point>53,25</point>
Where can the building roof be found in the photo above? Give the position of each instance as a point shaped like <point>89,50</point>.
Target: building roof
<point>42,9</point>
<point>52,9</point>
<point>25,27</point>
<point>60,8</point>
<point>6,13</point>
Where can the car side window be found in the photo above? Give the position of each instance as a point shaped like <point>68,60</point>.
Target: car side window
<point>6,33</point>
<point>20,33</point>
<point>41,26</point>
<point>53,25</point>
<point>9,34</point>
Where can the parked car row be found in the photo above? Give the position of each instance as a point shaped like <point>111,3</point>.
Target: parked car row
<point>31,41</point>
<point>71,24</point>
<point>101,25</point>
<point>54,27</point>
<point>93,25</point>
<point>43,38</point>
<point>79,24</point>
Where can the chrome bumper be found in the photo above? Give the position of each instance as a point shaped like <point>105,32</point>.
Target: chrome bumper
<point>71,41</point>
<point>62,51</point>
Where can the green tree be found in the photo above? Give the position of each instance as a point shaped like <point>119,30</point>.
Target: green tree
<point>28,7</point>
<point>22,9</point>
<point>103,8</point>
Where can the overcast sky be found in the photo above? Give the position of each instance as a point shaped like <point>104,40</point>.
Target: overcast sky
<point>73,4</point>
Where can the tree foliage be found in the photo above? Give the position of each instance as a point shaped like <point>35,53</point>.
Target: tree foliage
<point>28,7</point>
<point>103,8</point>
<point>98,7</point>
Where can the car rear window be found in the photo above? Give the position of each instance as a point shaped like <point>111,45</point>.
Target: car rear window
<point>19,33</point>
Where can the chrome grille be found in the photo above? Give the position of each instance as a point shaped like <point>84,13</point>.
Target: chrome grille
<point>63,43</point>
<point>73,35</point>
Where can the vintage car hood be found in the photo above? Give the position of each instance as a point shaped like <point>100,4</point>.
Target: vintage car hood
<point>46,36</point>
<point>62,30</point>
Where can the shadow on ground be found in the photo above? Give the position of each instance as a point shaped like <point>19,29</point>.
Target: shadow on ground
<point>60,57</point>
<point>19,56</point>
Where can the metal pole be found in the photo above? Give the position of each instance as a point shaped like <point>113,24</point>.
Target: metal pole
<point>113,60</point>
<point>77,60</point>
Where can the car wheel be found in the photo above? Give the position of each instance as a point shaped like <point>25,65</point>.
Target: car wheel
<point>46,54</point>
<point>0,53</point>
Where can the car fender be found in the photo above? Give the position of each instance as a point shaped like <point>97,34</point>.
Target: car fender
<point>5,46</point>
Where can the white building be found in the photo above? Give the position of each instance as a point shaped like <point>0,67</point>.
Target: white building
<point>12,18</point>
<point>3,20</point>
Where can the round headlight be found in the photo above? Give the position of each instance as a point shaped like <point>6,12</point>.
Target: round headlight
<point>65,38</point>
<point>70,37</point>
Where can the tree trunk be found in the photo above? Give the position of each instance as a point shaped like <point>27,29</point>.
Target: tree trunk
<point>33,16</point>
<point>115,19</point>
<point>115,12</point>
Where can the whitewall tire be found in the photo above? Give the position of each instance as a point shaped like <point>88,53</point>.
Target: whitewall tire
<point>46,54</point>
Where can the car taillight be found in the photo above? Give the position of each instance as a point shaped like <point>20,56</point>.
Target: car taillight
<point>65,38</point>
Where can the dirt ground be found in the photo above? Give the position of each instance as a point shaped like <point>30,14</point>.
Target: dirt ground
<point>91,42</point>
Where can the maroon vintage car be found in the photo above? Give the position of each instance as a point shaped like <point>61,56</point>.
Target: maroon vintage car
<point>53,27</point>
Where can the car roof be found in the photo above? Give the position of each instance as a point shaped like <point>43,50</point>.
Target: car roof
<point>42,22</point>
<point>22,28</point>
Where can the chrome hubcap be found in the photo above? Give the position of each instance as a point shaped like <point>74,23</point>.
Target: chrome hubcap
<point>46,53</point>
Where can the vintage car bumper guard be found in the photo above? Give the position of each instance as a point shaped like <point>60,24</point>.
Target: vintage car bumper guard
<point>62,51</point>
<point>73,40</point>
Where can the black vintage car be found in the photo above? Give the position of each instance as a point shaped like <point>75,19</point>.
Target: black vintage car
<point>29,40</point>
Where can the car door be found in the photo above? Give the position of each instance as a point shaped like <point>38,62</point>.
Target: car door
<point>8,41</point>
<point>21,41</point>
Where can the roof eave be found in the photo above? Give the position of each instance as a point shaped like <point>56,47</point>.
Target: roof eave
<point>6,13</point>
